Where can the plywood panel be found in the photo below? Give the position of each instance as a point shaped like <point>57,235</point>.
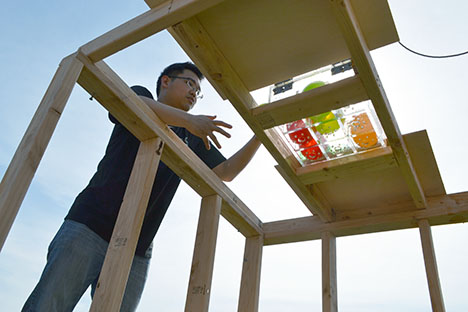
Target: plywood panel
<point>385,190</point>
<point>268,41</point>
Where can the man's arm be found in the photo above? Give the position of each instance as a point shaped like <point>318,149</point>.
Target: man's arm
<point>204,126</point>
<point>200,125</point>
<point>231,167</point>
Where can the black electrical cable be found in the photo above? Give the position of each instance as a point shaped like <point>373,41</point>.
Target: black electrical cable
<point>432,56</point>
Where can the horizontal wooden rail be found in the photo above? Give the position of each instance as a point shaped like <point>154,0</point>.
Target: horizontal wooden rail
<point>164,15</point>
<point>197,43</point>
<point>323,99</point>
<point>107,87</point>
<point>444,209</point>
<point>378,159</point>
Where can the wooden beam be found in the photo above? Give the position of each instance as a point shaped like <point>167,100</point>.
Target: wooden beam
<point>199,289</point>
<point>165,14</point>
<point>323,99</point>
<point>446,209</point>
<point>197,43</point>
<point>113,278</point>
<point>329,288</point>
<point>154,3</point>
<point>113,94</point>
<point>368,73</point>
<point>251,269</point>
<point>377,159</point>
<point>107,87</point>
<point>435,290</point>
<point>23,166</point>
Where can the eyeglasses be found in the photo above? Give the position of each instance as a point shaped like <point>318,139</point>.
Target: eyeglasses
<point>192,85</point>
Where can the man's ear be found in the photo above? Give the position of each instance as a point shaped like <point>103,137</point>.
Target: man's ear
<point>165,80</point>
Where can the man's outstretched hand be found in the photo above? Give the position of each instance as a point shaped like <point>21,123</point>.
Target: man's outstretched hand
<point>204,126</point>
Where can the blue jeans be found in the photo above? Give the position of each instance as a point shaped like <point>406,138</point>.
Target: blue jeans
<point>74,261</point>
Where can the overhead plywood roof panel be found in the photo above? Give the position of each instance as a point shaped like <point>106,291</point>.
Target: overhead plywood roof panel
<point>268,41</point>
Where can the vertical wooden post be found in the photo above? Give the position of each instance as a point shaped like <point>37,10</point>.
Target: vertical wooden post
<point>23,166</point>
<point>199,289</point>
<point>329,290</point>
<point>251,269</point>
<point>116,268</point>
<point>432,273</point>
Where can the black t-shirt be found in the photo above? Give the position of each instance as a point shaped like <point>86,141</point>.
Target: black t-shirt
<point>98,204</point>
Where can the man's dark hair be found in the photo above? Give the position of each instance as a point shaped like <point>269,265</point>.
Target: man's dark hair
<point>176,69</point>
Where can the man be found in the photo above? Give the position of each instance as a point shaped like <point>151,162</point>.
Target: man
<point>77,252</point>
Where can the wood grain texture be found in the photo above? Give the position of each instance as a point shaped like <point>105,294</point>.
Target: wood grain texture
<point>356,43</point>
<point>192,36</point>
<point>323,99</point>
<point>23,166</point>
<point>329,280</point>
<point>251,269</point>
<point>164,15</point>
<point>199,289</point>
<point>432,273</point>
<point>367,192</point>
<point>443,209</point>
<point>119,257</point>
<point>353,165</point>
<point>106,86</point>
<point>268,41</point>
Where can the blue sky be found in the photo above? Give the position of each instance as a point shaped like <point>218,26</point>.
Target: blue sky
<point>376,272</point>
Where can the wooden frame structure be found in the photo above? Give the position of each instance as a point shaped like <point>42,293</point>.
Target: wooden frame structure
<point>404,186</point>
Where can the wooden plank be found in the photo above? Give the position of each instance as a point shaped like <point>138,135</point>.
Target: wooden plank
<point>323,99</point>
<point>268,41</point>
<point>425,164</point>
<point>370,192</point>
<point>149,23</point>
<point>435,290</point>
<point>198,45</point>
<point>199,289</point>
<point>329,287</point>
<point>23,166</point>
<point>107,87</point>
<point>251,269</point>
<point>119,257</point>
<point>154,3</point>
<point>446,209</point>
<point>374,160</point>
<point>365,66</point>
<point>104,89</point>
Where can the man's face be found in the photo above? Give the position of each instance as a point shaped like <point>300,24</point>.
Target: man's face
<point>182,90</point>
